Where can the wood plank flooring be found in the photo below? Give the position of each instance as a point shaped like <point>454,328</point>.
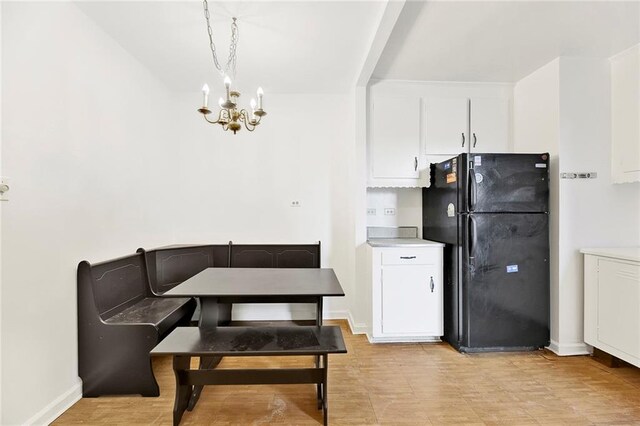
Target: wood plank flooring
<point>419,384</point>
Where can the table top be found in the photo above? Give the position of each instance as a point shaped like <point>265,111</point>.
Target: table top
<point>239,282</point>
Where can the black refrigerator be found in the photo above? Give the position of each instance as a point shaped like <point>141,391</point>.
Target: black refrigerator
<point>491,211</point>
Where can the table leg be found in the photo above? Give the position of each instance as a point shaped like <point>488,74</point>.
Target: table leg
<point>325,403</point>
<point>212,313</point>
<point>206,363</point>
<point>183,392</point>
<point>319,323</point>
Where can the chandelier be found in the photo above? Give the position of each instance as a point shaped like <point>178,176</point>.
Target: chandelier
<point>230,115</point>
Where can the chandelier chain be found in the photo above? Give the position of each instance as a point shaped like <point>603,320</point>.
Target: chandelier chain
<point>233,48</point>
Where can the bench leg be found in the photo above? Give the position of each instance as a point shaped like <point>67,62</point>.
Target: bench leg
<point>325,403</point>
<point>206,363</point>
<point>183,392</point>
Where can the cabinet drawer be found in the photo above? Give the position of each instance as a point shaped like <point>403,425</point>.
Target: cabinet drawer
<point>410,257</point>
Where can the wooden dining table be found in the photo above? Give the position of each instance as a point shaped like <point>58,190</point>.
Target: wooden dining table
<point>219,288</point>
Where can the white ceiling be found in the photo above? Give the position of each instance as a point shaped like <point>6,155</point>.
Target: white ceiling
<point>285,47</point>
<point>320,46</point>
<point>502,41</point>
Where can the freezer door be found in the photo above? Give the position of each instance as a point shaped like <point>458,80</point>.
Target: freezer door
<point>505,281</point>
<point>510,183</point>
<point>440,203</point>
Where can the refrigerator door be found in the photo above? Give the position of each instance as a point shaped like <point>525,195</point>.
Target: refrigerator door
<point>505,282</point>
<point>440,203</point>
<point>510,183</point>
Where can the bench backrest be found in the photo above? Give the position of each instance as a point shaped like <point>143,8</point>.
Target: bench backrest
<point>116,284</point>
<point>275,255</point>
<point>169,266</point>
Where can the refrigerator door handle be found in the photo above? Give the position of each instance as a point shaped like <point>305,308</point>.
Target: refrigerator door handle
<point>473,189</point>
<point>472,237</point>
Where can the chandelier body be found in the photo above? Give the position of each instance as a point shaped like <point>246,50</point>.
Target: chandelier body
<point>230,116</point>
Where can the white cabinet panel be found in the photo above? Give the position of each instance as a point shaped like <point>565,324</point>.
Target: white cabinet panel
<point>395,147</point>
<point>446,125</point>
<point>619,305</point>
<point>411,300</point>
<point>490,120</point>
<point>612,301</point>
<point>625,116</point>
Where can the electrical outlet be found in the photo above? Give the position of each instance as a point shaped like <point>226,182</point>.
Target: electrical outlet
<point>296,203</point>
<point>389,211</point>
<point>371,212</point>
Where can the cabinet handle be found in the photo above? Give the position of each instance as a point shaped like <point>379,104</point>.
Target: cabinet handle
<point>407,257</point>
<point>475,140</point>
<point>432,285</point>
<point>463,140</point>
<point>415,164</point>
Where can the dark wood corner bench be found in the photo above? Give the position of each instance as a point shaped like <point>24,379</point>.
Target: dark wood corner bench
<point>186,342</point>
<point>119,321</point>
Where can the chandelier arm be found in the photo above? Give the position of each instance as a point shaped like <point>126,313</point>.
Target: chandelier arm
<point>248,124</point>
<point>218,121</point>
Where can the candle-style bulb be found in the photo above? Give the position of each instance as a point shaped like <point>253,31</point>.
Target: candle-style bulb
<point>253,104</point>
<point>205,94</point>
<point>260,94</point>
<point>220,102</point>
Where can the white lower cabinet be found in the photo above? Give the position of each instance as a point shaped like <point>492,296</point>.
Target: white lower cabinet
<point>612,302</point>
<point>406,294</point>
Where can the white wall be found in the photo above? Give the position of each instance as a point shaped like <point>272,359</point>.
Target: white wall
<point>407,203</point>
<point>594,212</point>
<point>240,187</point>
<point>0,210</point>
<point>564,107</point>
<point>87,141</point>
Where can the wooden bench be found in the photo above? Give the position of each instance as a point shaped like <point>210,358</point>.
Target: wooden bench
<point>186,342</point>
<point>119,321</point>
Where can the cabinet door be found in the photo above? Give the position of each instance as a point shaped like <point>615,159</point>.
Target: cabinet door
<point>619,305</point>
<point>625,116</point>
<point>411,300</point>
<point>489,125</point>
<point>446,126</point>
<point>396,137</point>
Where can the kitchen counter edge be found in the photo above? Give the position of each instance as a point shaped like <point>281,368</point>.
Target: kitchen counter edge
<point>403,242</point>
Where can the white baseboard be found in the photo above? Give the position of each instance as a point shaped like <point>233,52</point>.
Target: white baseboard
<point>58,406</point>
<point>569,349</point>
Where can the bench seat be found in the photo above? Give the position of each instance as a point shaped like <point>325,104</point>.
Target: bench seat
<point>119,322</point>
<point>161,313</point>
<point>186,342</point>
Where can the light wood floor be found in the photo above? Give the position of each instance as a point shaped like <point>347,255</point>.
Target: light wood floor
<point>399,384</point>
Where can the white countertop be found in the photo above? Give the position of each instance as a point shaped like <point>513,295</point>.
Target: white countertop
<point>402,242</point>
<point>624,253</point>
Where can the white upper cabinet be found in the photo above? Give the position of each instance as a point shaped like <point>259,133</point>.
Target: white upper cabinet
<point>625,116</point>
<point>413,124</point>
<point>490,121</point>
<point>395,138</point>
<point>446,125</point>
